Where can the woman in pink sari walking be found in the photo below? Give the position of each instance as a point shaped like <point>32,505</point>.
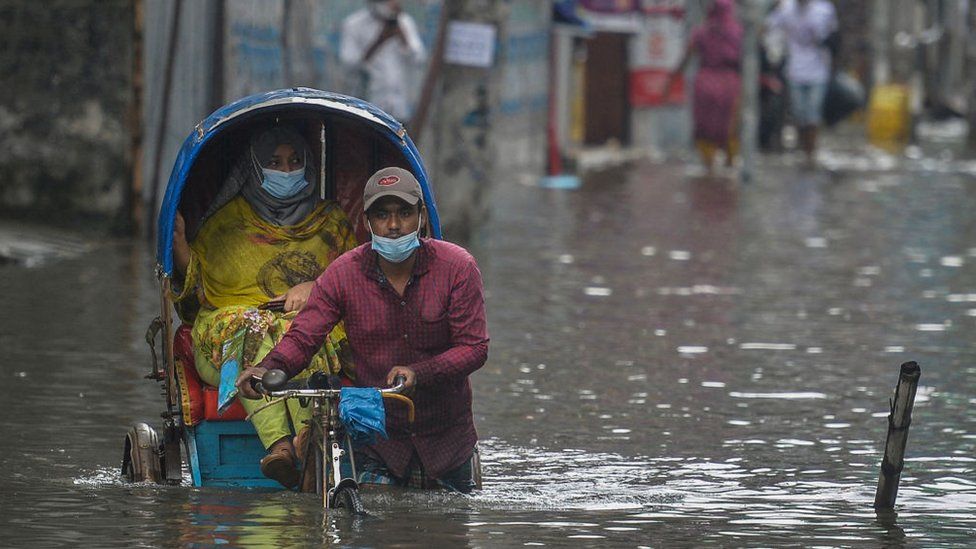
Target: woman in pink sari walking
<point>715,102</point>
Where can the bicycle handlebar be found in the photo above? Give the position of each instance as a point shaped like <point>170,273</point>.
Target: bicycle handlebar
<point>274,383</point>
<point>399,385</point>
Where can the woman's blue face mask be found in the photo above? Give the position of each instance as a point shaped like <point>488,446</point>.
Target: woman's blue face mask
<point>283,184</point>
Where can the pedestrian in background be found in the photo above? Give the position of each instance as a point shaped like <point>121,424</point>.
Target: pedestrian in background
<point>715,101</point>
<point>772,90</point>
<point>381,45</point>
<point>808,25</point>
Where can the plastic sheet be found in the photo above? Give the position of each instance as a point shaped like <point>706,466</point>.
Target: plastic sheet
<point>845,96</point>
<point>362,413</point>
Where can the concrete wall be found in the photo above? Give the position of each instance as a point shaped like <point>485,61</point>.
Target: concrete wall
<point>66,69</point>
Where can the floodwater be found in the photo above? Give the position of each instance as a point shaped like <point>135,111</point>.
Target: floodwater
<point>676,361</point>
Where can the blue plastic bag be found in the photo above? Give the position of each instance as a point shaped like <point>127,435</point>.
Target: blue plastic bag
<point>362,413</point>
<point>229,370</point>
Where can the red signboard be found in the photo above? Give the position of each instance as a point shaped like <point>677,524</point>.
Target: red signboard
<point>647,88</point>
<point>672,8</point>
<point>609,6</point>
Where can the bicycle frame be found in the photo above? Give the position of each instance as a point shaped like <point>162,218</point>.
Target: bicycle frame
<point>328,434</point>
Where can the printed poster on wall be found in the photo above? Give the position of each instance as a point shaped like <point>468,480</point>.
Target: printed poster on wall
<point>656,51</point>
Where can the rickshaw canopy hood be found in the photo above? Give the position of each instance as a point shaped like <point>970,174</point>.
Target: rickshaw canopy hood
<point>240,112</point>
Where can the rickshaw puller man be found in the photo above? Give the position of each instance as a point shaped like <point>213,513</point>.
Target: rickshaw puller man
<point>411,306</point>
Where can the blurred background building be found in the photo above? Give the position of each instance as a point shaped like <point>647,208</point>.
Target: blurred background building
<point>99,95</point>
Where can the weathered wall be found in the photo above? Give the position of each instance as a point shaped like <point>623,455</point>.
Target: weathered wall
<point>257,57</point>
<point>192,93</point>
<point>65,107</point>
<point>250,47</point>
<point>66,69</point>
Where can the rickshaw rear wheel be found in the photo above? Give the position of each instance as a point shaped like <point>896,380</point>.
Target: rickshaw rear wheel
<point>142,455</point>
<point>128,471</point>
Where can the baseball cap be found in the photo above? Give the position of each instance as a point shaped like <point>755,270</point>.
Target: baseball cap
<point>392,181</point>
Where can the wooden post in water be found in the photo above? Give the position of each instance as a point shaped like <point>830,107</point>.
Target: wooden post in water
<point>898,422</point>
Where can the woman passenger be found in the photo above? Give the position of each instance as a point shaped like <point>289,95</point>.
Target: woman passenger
<point>265,239</point>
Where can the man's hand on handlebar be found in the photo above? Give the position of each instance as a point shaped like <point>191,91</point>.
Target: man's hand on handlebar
<point>244,386</point>
<point>410,378</point>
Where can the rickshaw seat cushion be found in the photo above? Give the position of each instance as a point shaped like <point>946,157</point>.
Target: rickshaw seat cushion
<point>199,400</point>
<point>234,413</point>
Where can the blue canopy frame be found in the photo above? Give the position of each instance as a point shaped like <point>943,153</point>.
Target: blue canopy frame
<point>225,117</point>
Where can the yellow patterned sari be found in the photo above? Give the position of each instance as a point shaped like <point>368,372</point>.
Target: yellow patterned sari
<point>240,261</point>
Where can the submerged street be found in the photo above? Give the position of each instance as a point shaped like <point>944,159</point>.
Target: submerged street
<point>675,359</point>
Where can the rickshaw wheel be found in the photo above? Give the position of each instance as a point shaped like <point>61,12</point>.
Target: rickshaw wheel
<point>128,471</point>
<point>142,455</point>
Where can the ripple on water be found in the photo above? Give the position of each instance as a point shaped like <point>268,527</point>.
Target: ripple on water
<point>768,346</point>
<point>597,291</point>
<point>784,395</point>
<point>692,349</point>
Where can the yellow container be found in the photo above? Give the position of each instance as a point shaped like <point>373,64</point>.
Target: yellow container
<point>888,118</point>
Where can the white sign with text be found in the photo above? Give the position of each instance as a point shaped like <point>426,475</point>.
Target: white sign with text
<point>470,44</point>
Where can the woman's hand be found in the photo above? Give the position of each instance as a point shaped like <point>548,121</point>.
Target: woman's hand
<point>181,249</point>
<point>243,383</point>
<point>296,297</point>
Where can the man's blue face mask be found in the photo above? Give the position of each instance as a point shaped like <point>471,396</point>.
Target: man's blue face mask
<point>395,250</point>
<point>283,184</point>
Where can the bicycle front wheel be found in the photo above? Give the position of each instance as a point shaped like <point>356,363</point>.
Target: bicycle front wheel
<point>348,498</point>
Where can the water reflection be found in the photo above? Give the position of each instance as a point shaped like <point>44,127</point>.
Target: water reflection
<point>686,361</point>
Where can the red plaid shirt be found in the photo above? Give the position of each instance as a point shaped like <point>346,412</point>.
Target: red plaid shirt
<point>437,329</point>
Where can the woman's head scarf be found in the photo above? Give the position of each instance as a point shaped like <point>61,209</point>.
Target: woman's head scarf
<point>246,176</point>
<point>719,38</point>
<point>721,19</point>
<point>280,211</point>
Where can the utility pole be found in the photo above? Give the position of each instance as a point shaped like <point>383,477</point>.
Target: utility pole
<point>753,11</point>
<point>460,154</point>
<point>880,40</point>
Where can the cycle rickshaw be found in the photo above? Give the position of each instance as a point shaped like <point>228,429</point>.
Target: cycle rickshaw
<point>350,139</point>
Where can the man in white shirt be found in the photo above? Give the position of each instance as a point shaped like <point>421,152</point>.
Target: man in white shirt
<point>807,24</point>
<point>381,43</point>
